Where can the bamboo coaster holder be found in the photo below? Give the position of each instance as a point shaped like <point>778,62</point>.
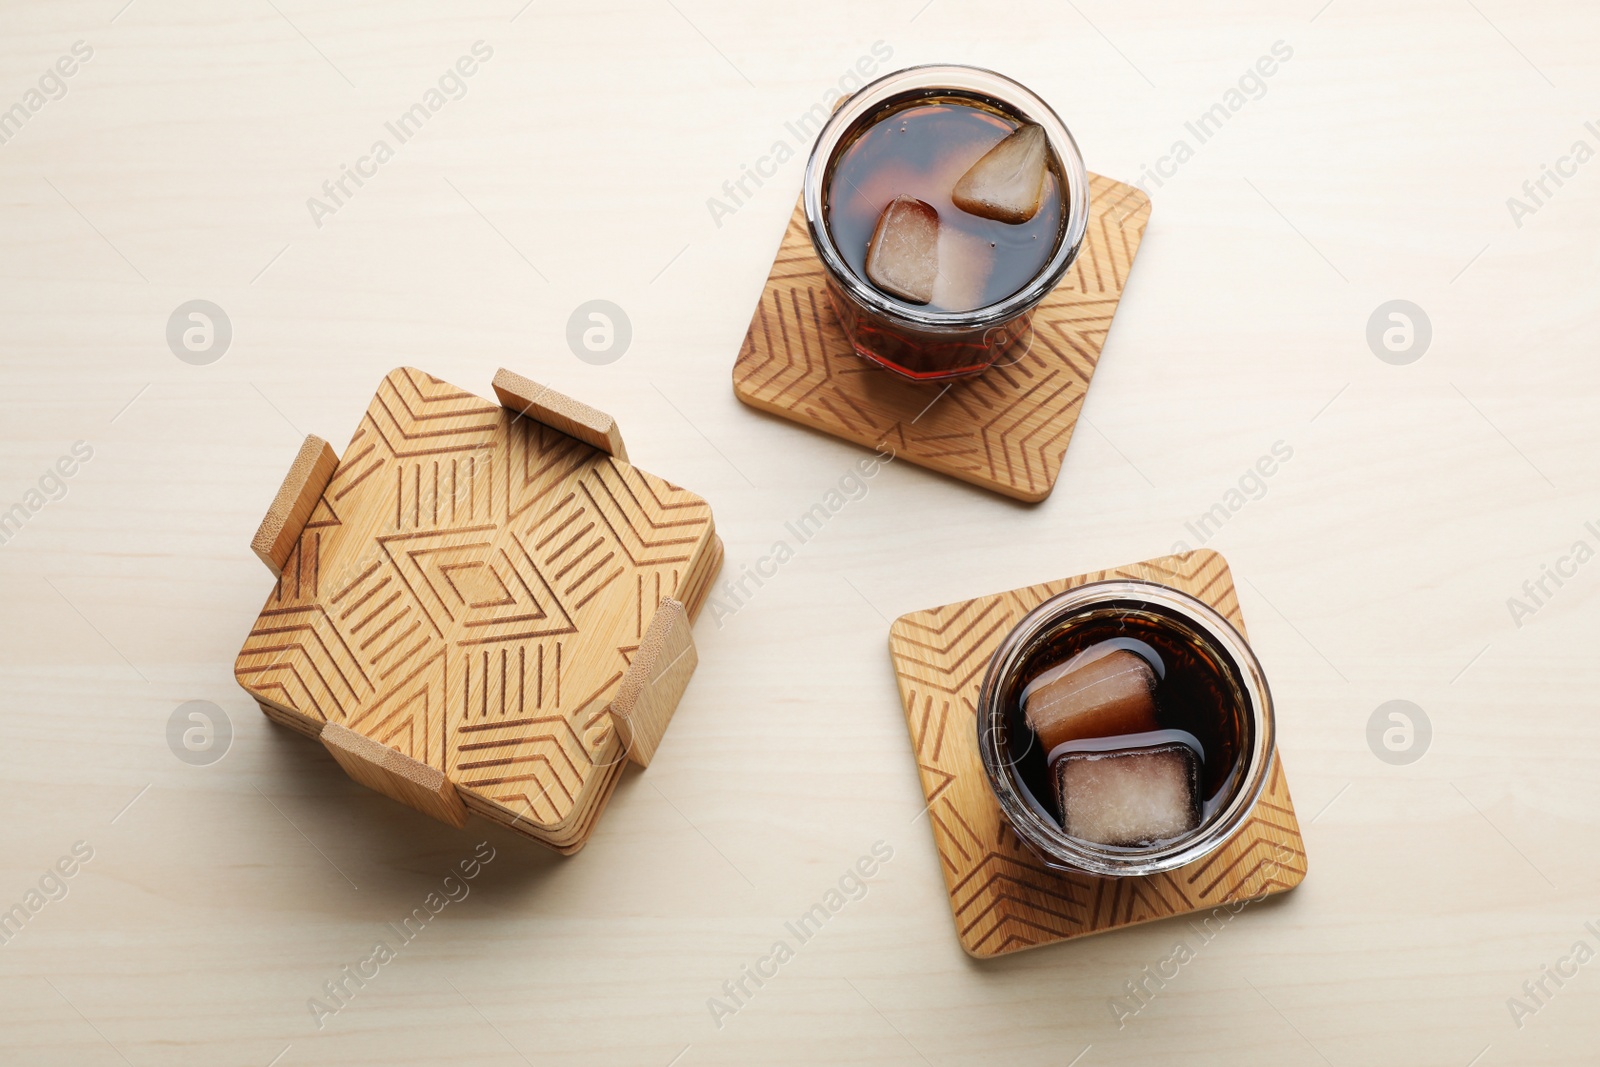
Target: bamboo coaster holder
<point>481,607</point>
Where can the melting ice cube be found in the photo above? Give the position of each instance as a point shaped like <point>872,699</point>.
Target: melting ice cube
<point>1130,796</point>
<point>903,255</point>
<point>1008,182</point>
<point>1112,694</point>
<point>965,261</point>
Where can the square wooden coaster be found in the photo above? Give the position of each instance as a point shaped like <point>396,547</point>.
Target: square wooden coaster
<point>1003,898</point>
<point>1005,429</point>
<point>482,607</point>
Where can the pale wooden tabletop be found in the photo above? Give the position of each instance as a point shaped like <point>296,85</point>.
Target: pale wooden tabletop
<point>585,158</point>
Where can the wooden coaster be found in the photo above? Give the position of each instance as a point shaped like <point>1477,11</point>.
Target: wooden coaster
<point>484,607</point>
<point>1003,898</point>
<point>1005,429</point>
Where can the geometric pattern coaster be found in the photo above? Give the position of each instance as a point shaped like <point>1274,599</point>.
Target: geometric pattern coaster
<point>469,589</point>
<point>1002,897</point>
<point>1005,429</point>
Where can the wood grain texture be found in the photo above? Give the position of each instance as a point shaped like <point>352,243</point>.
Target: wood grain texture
<point>655,682</point>
<point>1006,429</point>
<point>302,487</point>
<point>394,774</point>
<point>1003,898</point>
<point>559,411</point>
<point>470,590</point>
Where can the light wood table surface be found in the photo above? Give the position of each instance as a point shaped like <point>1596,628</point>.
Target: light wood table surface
<point>1376,564</point>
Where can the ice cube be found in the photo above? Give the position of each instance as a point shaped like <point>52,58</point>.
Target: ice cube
<point>903,254</point>
<point>1007,183</point>
<point>1112,694</point>
<point>965,261</point>
<point>1129,796</point>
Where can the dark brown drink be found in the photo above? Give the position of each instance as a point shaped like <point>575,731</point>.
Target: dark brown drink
<point>921,150</point>
<point>1159,722</point>
<point>1199,698</point>
<point>943,187</point>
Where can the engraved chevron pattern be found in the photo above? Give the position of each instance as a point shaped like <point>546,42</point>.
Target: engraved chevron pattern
<point>470,590</point>
<point>1003,899</point>
<point>1006,429</point>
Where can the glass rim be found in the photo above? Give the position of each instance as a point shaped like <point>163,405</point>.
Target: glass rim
<point>929,79</point>
<point>1046,837</point>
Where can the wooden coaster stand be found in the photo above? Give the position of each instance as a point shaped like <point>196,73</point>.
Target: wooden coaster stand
<point>483,606</point>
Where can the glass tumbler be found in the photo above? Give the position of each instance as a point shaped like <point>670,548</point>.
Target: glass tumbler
<point>1244,710</point>
<point>913,341</point>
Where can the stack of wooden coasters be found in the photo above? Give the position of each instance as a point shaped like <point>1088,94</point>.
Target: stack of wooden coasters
<point>483,606</point>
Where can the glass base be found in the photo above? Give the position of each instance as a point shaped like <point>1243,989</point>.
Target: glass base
<point>919,356</point>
